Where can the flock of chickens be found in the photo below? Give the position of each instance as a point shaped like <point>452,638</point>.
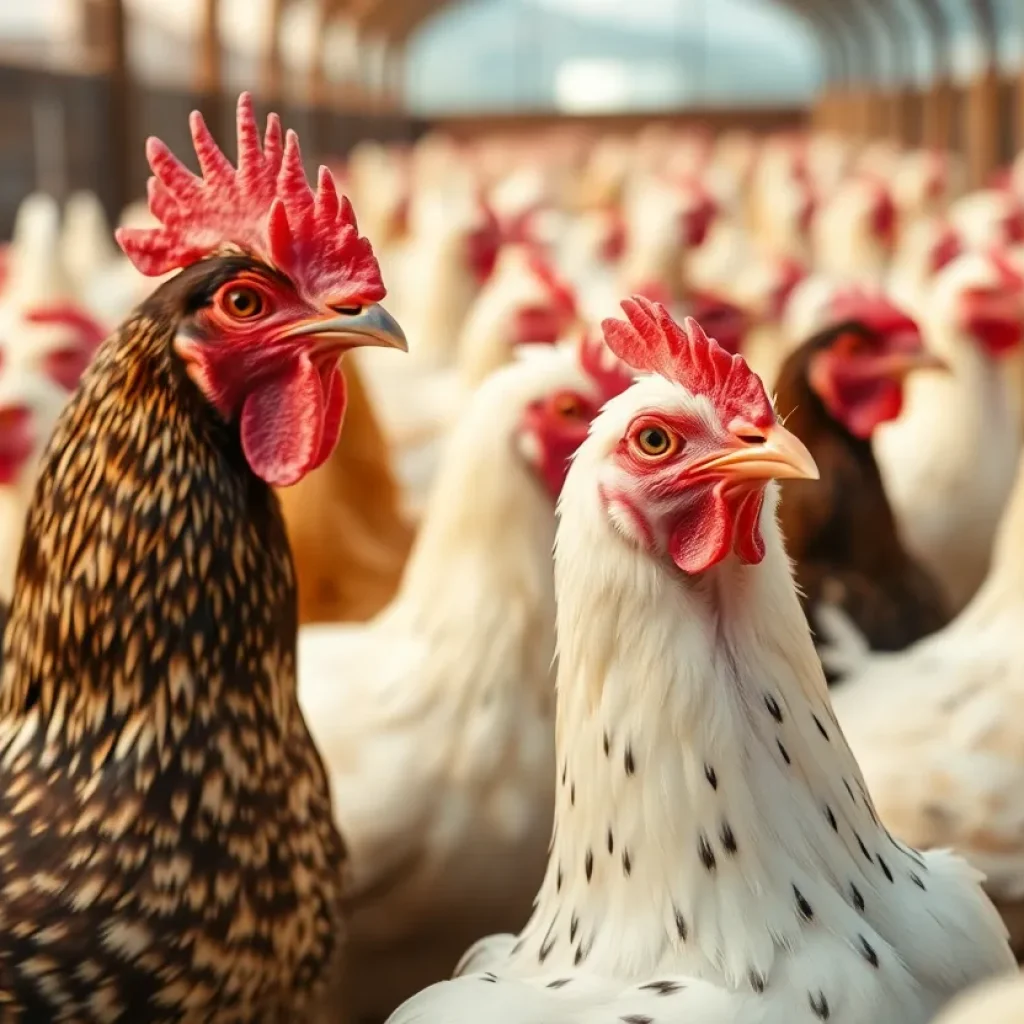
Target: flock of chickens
<point>293,689</point>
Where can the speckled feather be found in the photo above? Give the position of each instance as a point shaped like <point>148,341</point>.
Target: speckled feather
<point>167,850</point>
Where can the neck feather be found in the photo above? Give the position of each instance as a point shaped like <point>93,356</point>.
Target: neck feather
<point>155,592</point>
<point>707,805</point>
<point>488,531</point>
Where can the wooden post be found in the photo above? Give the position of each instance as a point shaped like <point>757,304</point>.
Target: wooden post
<point>120,105</point>
<point>209,72</point>
<point>980,114</point>
<point>937,100</point>
<point>272,76</point>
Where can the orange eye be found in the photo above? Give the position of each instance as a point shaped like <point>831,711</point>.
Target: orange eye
<point>242,302</point>
<point>655,442</point>
<point>568,406</point>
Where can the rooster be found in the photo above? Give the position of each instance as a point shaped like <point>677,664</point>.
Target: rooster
<point>439,738</point>
<point>169,850</point>
<point>948,462</point>
<point>939,728</point>
<point>841,533</point>
<point>715,856</point>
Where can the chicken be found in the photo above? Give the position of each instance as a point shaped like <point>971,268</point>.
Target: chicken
<point>42,324</point>
<point>453,243</point>
<point>854,230</point>
<point>43,351</point>
<point>998,1002</point>
<point>925,247</point>
<point>524,301</point>
<point>436,721</point>
<point>30,404</point>
<point>923,182</point>
<point>665,219</point>
<point>346,523</point>
<point>715,856</point>
<point>169,848</point>
<point>763,289</point>
<point>86,243</point>
<point>833,392</point>
<point>948,462</point>
<point>939,728</point>
<point>988,217</point>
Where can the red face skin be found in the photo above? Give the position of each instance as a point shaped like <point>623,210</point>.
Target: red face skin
<point>17,441</point>
<point>994,316</point>
<point>791,274</point>
<point>696,221</point>
<point>559,425</point>
<point>946,249</point>
<point>859,377</point>
<point>287,392</point>
<point>614,242</point>
<point>884,217</point>
<point>482,246</point>
<point>696,517</point>
<point>65,365</point>
<point>546,322</point>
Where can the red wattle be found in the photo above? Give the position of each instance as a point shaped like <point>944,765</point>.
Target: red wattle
<point>282,424</point>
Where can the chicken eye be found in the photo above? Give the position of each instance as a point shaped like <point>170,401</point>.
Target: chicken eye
<point>654,441</point>
<point>244,303</point>
<point>568,406</point>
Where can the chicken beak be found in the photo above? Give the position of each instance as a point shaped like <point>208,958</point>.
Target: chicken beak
<point>897,365</point>
<point>373,326</point>
<point>780,456</point>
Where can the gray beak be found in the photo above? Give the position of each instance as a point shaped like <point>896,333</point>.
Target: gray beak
<point>374,326</point>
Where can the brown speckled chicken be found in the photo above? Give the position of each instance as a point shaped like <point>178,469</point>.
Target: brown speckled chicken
<point>167,849</point>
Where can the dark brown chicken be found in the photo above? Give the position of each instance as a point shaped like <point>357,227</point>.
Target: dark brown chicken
<point>841,533</point>
<point>167,847</point>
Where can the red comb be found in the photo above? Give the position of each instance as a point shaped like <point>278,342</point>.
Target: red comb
<point>611,375</point>
<point>89,332</point>
<point>653,342</point>
<point>265,207</point>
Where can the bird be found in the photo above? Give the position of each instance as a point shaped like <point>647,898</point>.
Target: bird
<point>958,433</point>
<point>998,1002</point>
<point>436,721</point>
<point>168,846</point>
<point>715,855</point>
<point>30,405</point>
<point>833,392</point>
<point>938,728</point>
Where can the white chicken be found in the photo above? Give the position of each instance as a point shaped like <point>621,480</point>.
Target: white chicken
<point>436,720</point>
<point>523,301</point>
<point>939,728</point>
<point>998,1002</point>
<point>715,857</point>
<point>854,231</point>
<point>948,463</point>
<point>30,404</point>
